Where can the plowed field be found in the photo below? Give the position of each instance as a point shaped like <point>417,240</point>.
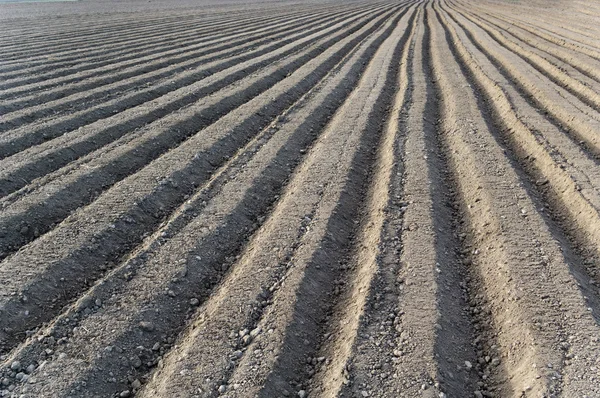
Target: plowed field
<point>300,199</point>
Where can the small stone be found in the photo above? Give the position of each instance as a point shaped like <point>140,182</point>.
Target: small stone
<point>30,369</point>
<point>16,366</point>
<point>136,384</point>
<point>468,365</point>
<point>478,394</point>
<point>496,361</point>
<point>222,388</point>
<point>255,332</point>
<point>364,393</point>
<point>194,302</point>
<point>238,354</point>
<point>125,394</point>
<point>62,355</point>
<point>147,326</point>
<point>98,303</point>
<point>301,393</point>
<point>5,381</point>
<point>136,362</point>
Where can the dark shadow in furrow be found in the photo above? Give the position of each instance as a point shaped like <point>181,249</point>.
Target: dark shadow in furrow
<point>123,41</point>
<point>69,58</point>
<point>120,53</point>
<point>385,284</point>
<point>532,64</point>
<point>516,36</point>
<point>558,222</point>
<point>171,69</point>
<point>530,99</point>
<point>134,57</point>
<point>227,241</point>
<point>315,293</point>
<point>181,55</point>
<point>561,38</point>
<point>61,157</point>
<point>482,326</point>
<point>113,243</point>
<point>97,30</point>
<point>453,341</point>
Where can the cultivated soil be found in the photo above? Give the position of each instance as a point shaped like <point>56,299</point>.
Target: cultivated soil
<point>300,199</point>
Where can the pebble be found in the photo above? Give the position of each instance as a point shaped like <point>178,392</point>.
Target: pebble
<point>302,393</point>
<point>16,366</point>
<point>468,365</point>
<point>136,384</point>
<point>125,394</point>
<point>136,362</point>
<point>496,361</point>
<point>31,368</point>
<point>238,354</point>
<point>194,302</point>
<point>222,388</point>
<point>147,326</point>
<point>478,394</point>
<point>255,332</point>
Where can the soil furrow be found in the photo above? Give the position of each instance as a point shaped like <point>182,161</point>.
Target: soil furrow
<point>183,46</point>
<point>585,94</point>
<point>300,305</point>
<point>51,59</point>
<point>23,89</point>
<point>233,211</point>
<point>156,191</point>
<point>424,341</point>
<point>292,198</point>
<point>580,38</point>
<point>576,60</point>
<point>61,100</point>
<point>125,40</point>
<point>262,268</point>
<point>560,39</point>
<point>527,318</point>
<point>361,264</point>
<point>52,155</point>
<point>578,119</point>
<point>567,179</point>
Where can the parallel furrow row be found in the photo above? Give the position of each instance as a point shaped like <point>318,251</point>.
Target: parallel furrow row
<point>235,208</point>
<point>288,199</point>
<point>87,131</point>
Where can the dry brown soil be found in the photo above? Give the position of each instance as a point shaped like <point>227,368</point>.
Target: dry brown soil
<point>300,198</point>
